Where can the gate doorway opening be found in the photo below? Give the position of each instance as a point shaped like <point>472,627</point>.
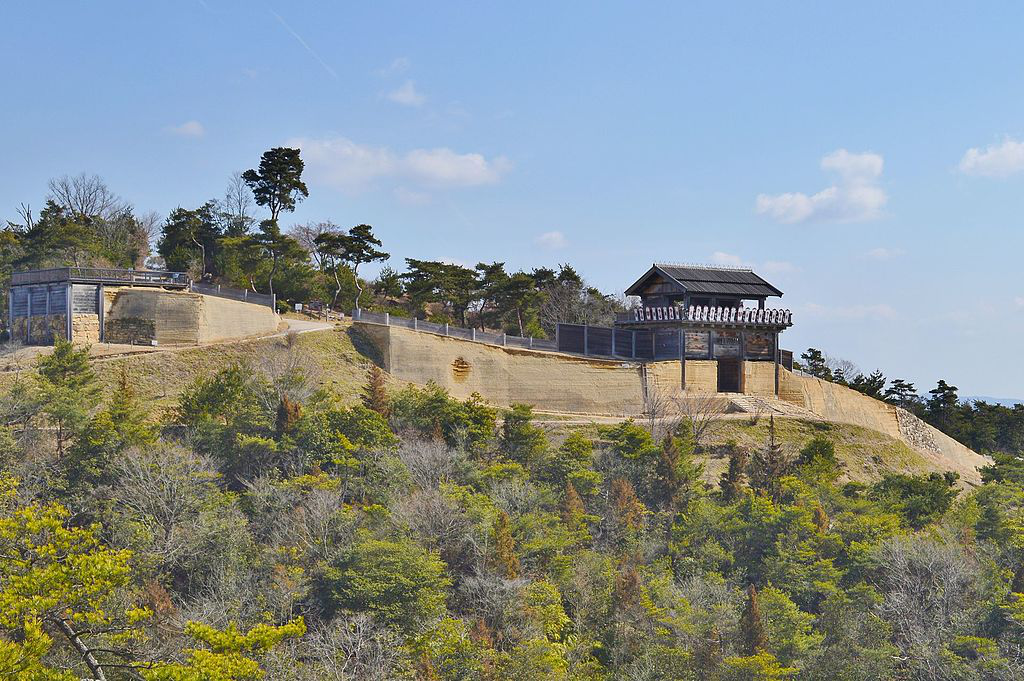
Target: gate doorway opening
<point>729,375</point>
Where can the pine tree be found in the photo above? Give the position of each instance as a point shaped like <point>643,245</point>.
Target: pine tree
<point>288,414</point>
<point>820,518</point>
<point>676,474</point>
<point>521,441</point>
<point>731,482</point>
<point>68,389</point>
<point>708,655</point>
<point>629,510</point>
<point>814,363</point>
<point>375,395</point>
<point>769,465</point>
<point>130,418</point>
<point>505,547</point>
<point>667,479</point>
<point>751,624</point>
<point>122,424</point>
<point>572,508</point>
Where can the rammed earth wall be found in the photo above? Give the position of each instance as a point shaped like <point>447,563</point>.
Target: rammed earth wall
<point>144,315</point>
<point>552,381</point>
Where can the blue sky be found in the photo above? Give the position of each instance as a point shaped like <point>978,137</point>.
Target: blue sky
<point>868,158</point>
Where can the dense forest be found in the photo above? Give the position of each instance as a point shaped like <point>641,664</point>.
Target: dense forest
<point>265,528</point>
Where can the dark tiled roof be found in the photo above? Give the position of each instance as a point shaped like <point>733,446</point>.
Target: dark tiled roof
<point>707,280</point>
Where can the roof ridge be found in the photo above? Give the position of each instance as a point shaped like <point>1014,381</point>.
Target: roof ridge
<point>698,266</point>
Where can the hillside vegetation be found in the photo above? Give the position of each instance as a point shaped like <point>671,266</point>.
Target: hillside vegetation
<point>263,523</point>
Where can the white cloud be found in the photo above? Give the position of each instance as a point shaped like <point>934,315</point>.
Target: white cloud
<point>777,267</point>
<point>995,160</point>
<point>444,167</point>
<point>855,196</point>
<point>397,65</point>
<point>882,253</point>
<point>407,95</point>
<point>552,240</point>
<point>876,312</point>
<point>766,267</point>
<point>187,129</point>
<point>411,196</point>
<point>347,165</point>
<point>727,259</point>
<point>1019,301</point>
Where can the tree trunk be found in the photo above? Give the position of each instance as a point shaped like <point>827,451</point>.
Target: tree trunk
<point>359,289</point>
<point>202,251</point>
<point>337,288</point>
<point>273,271</point>
<point>90,660</point>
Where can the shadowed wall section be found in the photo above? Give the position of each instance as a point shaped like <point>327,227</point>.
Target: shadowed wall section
<point>140,315</point>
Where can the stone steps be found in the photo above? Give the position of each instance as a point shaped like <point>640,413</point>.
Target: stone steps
<point>753,404</point>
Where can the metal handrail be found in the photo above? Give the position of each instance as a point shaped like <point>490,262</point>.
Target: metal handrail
<point>451,331</point>
<point>100,275</point>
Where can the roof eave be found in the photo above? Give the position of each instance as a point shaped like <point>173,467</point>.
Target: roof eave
<point>632,290</point>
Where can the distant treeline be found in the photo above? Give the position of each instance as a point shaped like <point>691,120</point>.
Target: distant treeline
<point>984,427</point>
<point>84,223</point>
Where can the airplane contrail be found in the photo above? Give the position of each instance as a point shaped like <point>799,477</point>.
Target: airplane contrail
<point>304,44</point>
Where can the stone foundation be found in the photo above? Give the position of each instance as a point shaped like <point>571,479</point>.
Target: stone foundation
<point>85,328</point>
<point>44,329</point>
<point>130,331</point>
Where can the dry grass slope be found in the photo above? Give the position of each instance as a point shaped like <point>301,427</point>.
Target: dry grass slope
<point>337,360</point>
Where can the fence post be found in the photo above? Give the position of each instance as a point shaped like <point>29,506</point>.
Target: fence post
<point>218,288</point>
<point>558,329</point>
<point>446,328</point>
<point>245,294</point>
<point>586,340</point>
<point>273,302</point>
<point>415,324</point>
<point>472,333</point>
<point>633,343</point>
<point>387,319</point>
<point>531,342</point>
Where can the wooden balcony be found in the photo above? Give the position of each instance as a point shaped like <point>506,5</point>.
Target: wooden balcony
<point>101,275</point>
<point>730,317</point>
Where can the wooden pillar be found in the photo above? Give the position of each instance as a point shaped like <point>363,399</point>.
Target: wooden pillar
<point>775,359</point>
<point>10,313</point>
<point>682,358</point>
<point>69,329</point>
<point>100,305</point>
<point>28,316</point>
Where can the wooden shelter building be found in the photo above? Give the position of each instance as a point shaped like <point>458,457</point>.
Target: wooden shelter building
<point>68,302</point>
<point>718,314</point>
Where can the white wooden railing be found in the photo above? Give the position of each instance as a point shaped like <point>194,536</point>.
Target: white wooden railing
<point>699,313</point>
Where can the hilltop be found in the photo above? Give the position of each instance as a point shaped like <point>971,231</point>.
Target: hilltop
<point>337,359</point>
